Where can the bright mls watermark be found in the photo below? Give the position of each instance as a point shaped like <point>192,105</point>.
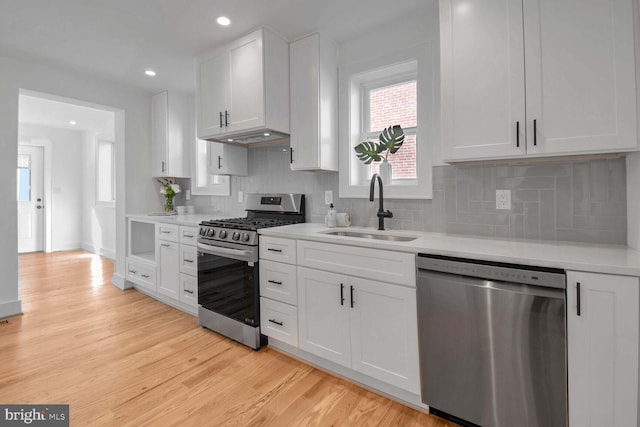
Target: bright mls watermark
<point>34,415</point>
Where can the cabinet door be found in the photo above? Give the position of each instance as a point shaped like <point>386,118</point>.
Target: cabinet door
<point>225,159</point>
<point>602,349</point>
<point>323,316</point>
<point>159,133</point>
<point>580,68</point>
<point>189,260</point>
<point>384,334</point>
<point>245,96</point>
<point>211,94</point>
<point>189,290</point>
<point>168,268</point>
<point>482,77</point>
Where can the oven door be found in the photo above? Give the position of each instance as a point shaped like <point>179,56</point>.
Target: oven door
<point>228,282</point>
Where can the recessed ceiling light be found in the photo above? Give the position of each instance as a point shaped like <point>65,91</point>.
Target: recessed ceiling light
<point>150,73</point>
<point>223,20</point>
<point>230,140</point>
<point>72,122</point>
<point>266,134</point>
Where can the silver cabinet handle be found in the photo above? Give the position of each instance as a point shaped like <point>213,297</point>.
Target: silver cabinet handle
<point>166,232</point>
<point>190,236</point>
<point>133,271</point>
<point>276,322</point>
<point>165,245</point>
<point>146,276</point>
<point>274,250</point>
<point>274,282</point>
<point>188,260</point>
<point>188,291</point>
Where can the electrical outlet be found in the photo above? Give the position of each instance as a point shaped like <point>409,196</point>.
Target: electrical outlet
<point>187,194</point>
<point>240,197</point>
<point>328,197</point>
<point>503,199</point>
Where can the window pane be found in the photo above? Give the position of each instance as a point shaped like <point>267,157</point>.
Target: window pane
<point>24,184</point>
<point>403,161</point>
<point>393,105</point>
<point>105,172</point>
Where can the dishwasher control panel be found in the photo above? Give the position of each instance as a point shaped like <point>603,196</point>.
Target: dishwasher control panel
<point>498,271</point>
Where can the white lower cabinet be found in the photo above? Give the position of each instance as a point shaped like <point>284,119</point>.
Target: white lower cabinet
<point>602,333</point>
<point>279,321</point>
<point>168,268</point>
<point>188,289</point>
<point>362,324</point>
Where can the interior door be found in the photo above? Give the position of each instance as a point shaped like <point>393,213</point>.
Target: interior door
<point>30,178</point>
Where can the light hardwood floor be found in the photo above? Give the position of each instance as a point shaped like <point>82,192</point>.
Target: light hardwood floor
<point>122,358</point>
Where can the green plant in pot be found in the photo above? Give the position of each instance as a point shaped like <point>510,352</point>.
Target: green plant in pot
<point>389,142</point>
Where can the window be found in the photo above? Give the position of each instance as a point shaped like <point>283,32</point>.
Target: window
<point>395,89</point>
<point>24,177</point>
<point>105,173</point>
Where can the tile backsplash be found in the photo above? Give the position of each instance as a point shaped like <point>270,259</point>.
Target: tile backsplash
<point>581,200</point>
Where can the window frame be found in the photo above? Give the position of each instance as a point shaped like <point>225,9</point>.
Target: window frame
<point>356,80</point>
<point>112,202</point>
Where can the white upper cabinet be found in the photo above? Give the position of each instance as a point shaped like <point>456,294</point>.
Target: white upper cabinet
<point>244,87</point>
<point>570,65</point>
<point>314,85</point>
<point>226,159</point>
<point>170,135</point>
<point>482,78</point>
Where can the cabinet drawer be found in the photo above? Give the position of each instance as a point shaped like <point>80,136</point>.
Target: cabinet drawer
<point>188,290</point>
<point>276,249</point>
<point>279,321</point>
<point>278,282</point>
<point>167,232</point>
<point>189,260</point>
<point>376,264</point>
<point>189,235</point>
<point>141,274</point>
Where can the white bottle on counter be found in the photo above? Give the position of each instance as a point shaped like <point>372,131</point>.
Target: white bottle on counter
<point>332,217</point>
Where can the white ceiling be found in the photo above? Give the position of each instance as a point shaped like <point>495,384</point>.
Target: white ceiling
<point>55,114</point>
<point>118,39</point>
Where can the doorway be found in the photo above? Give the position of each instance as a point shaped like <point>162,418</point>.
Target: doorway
<point>30,193</point>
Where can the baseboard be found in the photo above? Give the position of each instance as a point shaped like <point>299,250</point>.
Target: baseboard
<point>119,282</point>
<point>67,246</point>
<point>10,308</point>
<point>103,252</point>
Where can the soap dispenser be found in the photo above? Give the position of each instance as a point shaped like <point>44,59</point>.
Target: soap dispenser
<point>332,217</point>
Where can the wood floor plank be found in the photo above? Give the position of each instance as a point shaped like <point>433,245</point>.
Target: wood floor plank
<point>120,358</point>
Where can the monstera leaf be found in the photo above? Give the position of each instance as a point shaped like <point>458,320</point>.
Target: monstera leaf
<point>392,139</point>
<point>369,151</point>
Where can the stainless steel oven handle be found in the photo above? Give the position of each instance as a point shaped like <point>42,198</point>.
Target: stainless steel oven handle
<point>238,254</point>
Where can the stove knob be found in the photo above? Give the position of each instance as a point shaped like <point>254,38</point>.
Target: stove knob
<point>203,231</point>
<point>211,232</point>
<point>245,237</point>
<point>222,234</point>
<point>236,235</point>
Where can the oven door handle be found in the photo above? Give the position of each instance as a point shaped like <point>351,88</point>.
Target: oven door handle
<point>239,254</point>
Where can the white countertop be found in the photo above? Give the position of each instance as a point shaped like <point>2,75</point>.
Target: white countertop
<point>611,259</point>
<point>188,220</point>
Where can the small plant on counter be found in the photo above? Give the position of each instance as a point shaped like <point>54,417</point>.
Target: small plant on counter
<point>169,189</point>
<point>389,142</point>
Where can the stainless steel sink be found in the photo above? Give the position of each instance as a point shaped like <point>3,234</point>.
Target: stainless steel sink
<point>363,235</point>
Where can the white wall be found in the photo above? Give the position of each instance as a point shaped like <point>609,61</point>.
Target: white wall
<point>134,188</point>
<point>66,182</point>
<point>98,222</point>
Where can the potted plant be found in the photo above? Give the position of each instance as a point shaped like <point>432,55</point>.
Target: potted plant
<point>389,142</point>
<point>169,189</point>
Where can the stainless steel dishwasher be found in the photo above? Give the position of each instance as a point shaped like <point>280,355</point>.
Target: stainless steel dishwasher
<point>492,340</point>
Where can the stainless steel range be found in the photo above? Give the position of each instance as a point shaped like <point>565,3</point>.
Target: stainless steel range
<point>228,281</point>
